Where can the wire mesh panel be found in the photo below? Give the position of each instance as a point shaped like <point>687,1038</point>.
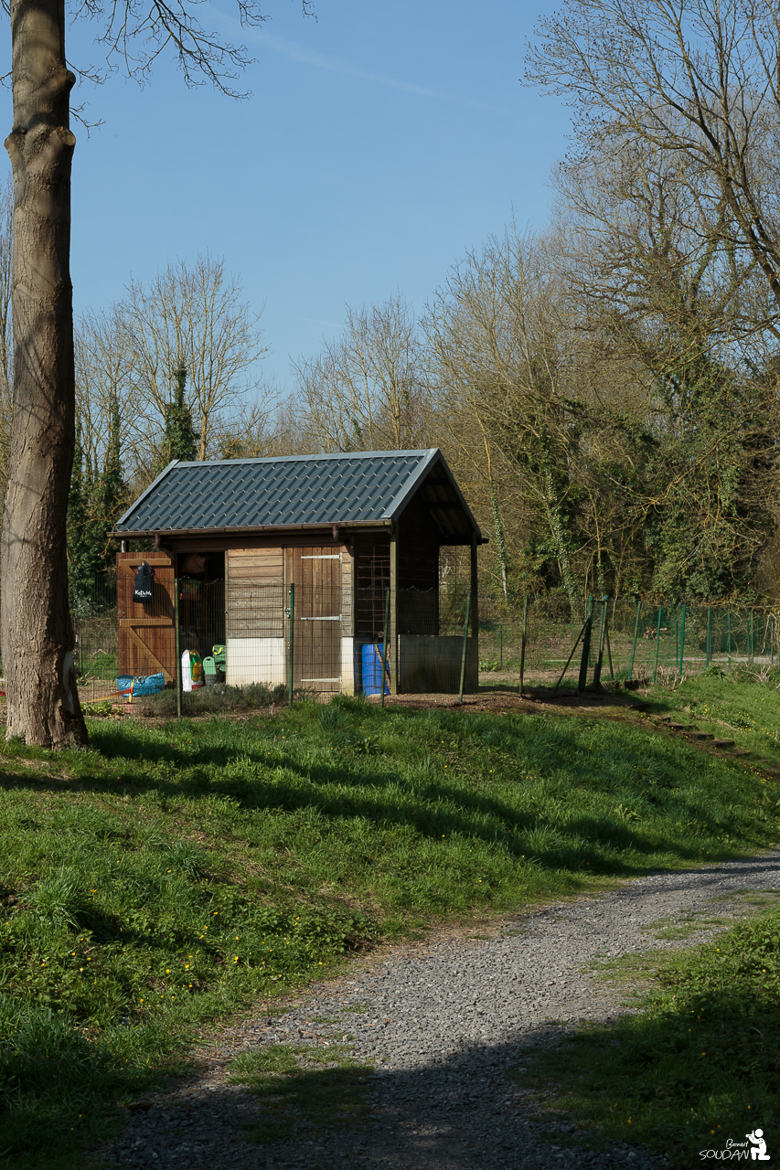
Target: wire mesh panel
<point>292,622</point>
<point>96,633</point>
<point>627,638</point>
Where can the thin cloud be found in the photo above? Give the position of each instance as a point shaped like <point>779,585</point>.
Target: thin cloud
<point>303,56</point>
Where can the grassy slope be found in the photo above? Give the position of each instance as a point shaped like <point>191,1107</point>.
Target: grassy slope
<point>168,877</point>
<point>697,1066</point>
<point>730,706</point>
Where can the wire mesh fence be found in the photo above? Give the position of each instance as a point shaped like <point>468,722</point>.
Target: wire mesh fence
<point>627,638</point>
<point>215,644</point>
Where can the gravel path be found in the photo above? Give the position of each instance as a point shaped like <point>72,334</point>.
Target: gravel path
<point>444,1023</point>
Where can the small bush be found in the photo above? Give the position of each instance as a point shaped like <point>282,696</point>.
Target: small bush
<point>216,699</point>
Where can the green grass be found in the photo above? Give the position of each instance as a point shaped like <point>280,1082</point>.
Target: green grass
<point>168,877</point>
<point>697,1066</point>
<point>731,706</point>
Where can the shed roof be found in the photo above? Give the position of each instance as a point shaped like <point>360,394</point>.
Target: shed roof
<point>300,491</point>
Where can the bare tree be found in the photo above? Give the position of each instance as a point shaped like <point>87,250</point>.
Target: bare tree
<point>37,636</point>
<point>692,82</point>
<point>191,316</point>
<point>500,367</point>
<point>652,273</point>
<point>366,390</point>
<point>103,388</point>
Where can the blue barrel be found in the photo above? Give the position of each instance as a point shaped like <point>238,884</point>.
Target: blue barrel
<point>372,669</point>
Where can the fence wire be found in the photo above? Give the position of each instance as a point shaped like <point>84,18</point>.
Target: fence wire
<point>627,639</point>
<point>271,644</point>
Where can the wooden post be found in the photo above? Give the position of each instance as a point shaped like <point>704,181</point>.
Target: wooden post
<point>474,594</point>
<point>393,637</point>
<point>177,643</point>
<point>464,651</point>
<point>384,648</point>
<point>291,647</point>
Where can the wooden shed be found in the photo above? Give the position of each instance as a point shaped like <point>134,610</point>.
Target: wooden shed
<point>232,536</point>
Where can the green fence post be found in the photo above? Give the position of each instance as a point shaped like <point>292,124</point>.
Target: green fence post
<point>636,635</point>
<point>585,634</point>
<point>752,637</point>
<point>682,640</point>
<point>177,645</point>
<point>657,641</point>
<point>728,635</point>
<point>523,637</point>
<point>291,645</point>
<point>500,646</point>
<point>585,626</point>
<point>709,633</point>
<point>384,649</point>
<point>772,637</point>
<point>602,635</point>
<point>465,647</point>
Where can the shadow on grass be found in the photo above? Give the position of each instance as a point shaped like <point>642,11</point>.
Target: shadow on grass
<point>681,1081</point>
<point>637,1090</point>
<point>430,803</point>
<point>676,1083</point>
<point>59,1089</point>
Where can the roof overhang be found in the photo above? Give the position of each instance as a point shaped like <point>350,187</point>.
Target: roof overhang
<point>248,530</point>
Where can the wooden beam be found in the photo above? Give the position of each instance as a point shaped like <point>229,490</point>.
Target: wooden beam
<point>474,584</point>
<point>393,637</point>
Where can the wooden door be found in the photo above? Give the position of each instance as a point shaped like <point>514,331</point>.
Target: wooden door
<point>316,575</point>
<point>147,639</point>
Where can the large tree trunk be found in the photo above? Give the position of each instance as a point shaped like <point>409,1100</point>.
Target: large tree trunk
<point>37,634</point>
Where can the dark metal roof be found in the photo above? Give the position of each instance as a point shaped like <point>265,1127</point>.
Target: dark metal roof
<point>365,487</point>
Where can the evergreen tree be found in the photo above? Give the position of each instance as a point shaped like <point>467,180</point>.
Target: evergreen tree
<point>180,441</point>
<point>86,536</point>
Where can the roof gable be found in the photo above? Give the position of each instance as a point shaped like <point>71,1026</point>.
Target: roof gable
<point>300,490</point>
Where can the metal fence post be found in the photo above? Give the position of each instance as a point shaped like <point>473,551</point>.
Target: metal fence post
<point>582,681</point>
<point>682,640</point>
<point>657,641</point>
<point>709,634</point>
<point>177,645</point>
<point>728,635</point>
<point>752,637</point>
<point>465,647</point>
<point>291,646</point>
<point>602,638</point>
<point>636,635</point>
<point>522,643</point>
<point>500,646</point>
<point>383,662</point>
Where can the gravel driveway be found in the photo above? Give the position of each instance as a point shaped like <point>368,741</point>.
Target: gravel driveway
<point>444,1024</point>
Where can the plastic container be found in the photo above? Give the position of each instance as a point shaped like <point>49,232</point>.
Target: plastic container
<point>219,654</point>
<point>191,671</point>
<point>371,662</point>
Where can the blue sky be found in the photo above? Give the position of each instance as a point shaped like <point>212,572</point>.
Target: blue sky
<point>380,142</point>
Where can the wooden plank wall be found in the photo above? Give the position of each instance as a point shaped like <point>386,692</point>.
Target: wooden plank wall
<point>254,593</point>
<point>347,594</point>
